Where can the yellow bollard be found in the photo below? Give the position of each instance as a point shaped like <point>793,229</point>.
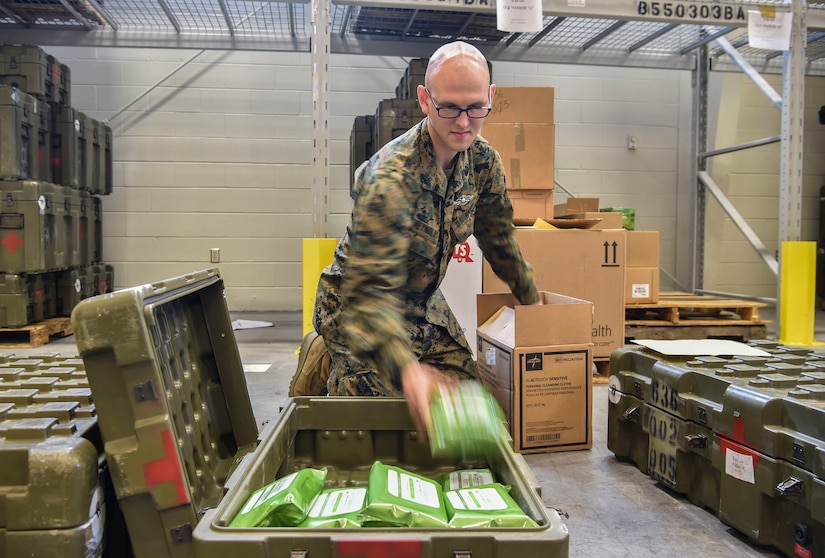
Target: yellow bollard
<point>317,253</point>
<point>797,302</point>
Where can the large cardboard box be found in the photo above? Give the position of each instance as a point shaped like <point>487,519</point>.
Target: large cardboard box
<point>642,274</point>
<point>522,104</point>
<point>536,361</point>
<point>527,150</point>
<point>529,205</point>
<point>587,264</point>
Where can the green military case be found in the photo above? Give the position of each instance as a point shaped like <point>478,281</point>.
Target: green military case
<point>29,69</point>
<point>32,227</point>
<point>66,164</point>
<point>172,402</point>
<point>56,497</point>
<point>102,278</point>
<point>96,233</point>
<point>393,117</point>
<point>18,134</point>
<point>21,297</point>
<point>41,169</point>
<point>184,449</point>
<point>360,143</point>
<point>741,436</point>
<point>62,77</point>
<point>72,286</point>
<point>84,132</point>
<point>347,435</point>
<point>100,163</point>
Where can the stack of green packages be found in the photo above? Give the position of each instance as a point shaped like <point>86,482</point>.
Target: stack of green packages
<point>465,422</point>
<point>283,503</point>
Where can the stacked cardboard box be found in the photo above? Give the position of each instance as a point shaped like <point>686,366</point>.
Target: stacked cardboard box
<point>586,264</point>
<point>642,273</point>
<point>521,128</point>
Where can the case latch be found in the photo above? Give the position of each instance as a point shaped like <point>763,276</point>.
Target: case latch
<point>462,554</point>
<point>790,487</point>
<point>631,413</point>
<point>696,441</point>
<point>182,533</point>
<point>145,391</point>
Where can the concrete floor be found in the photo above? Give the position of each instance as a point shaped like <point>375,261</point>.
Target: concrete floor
<point>614,509</point>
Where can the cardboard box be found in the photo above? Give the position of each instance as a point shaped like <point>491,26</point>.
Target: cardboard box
<point>523,104</point>
<point>608,220</point>
<point>527,150</point>
<point>642,273</point>
<point>643,248</point>
<point>587,264</point>
<point>461,285</point>
<point>575,205</point>
<point>529,205</point>
<point>537,360</point>
<point>641,285</point>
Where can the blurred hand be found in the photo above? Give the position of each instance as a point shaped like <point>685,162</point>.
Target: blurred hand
<point>418,382</point>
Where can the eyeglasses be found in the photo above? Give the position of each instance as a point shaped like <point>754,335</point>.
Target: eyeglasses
<point>451,113</point>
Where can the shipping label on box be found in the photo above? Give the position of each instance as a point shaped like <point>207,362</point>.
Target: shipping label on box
<point>586,264</point>
<point>541,380</point>
<point>641,285</point>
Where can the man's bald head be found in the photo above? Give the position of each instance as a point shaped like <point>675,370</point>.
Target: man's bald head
<point>453,56</point>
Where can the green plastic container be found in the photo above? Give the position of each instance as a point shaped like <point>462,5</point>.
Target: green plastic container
<point>57,498</point>
<point>347,435</point>
<point>740,435</point>
<point>169,388</point>
<point>172,402</point>
<point>18,134</point>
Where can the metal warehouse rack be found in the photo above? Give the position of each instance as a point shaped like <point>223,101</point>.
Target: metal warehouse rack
<point>694,35</point>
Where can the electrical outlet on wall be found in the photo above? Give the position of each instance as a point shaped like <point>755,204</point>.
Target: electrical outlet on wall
<point>215,255</point>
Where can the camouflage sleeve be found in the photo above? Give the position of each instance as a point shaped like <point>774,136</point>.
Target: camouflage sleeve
<point>494,232</point>
<point>373,319</point>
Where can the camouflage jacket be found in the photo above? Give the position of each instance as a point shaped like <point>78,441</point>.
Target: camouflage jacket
<point>407,217</point>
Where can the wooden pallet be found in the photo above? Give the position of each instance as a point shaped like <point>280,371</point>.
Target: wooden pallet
<point>35,335</point>
<point>601,371</point>
<point>680,315</point>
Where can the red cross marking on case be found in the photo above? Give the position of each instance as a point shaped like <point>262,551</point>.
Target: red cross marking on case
<point>12,242</point>
<point>166,469</point>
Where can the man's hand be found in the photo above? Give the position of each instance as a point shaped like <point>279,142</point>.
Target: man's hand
<point>418,382</point>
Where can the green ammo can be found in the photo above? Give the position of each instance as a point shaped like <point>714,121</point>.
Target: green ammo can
<point>186,453</point>
<point>739,435</point>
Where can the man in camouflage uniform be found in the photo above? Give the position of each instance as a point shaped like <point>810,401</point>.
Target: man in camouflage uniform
<point>388,328</point>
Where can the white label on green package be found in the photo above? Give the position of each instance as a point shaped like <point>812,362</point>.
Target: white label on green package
<point>339,502</point>
<point>265,493</point>
<point>466,479</point>
<point>402,485</point>
<point>483,499</point>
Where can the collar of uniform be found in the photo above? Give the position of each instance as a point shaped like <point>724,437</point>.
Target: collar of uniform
<point>431,167</point>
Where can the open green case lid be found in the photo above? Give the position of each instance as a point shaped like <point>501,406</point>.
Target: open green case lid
<point>172,402</point>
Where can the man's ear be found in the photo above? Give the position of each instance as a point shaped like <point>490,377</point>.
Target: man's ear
<point>422,100</point>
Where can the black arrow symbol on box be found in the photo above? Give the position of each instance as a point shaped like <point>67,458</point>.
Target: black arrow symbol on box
<point>607,251</point>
